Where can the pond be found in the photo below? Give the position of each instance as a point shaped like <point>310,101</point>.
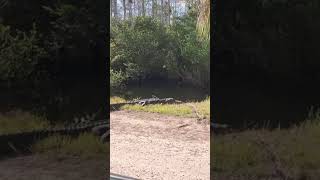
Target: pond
<point>61,103</point>
<point>163,89</point>
<point>247,104</point>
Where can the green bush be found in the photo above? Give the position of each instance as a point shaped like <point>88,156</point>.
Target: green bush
<point>117,80</point>
<point>193,63</point>
<point>20,54</point>
<point>140,47</point>
<point>143,48</point>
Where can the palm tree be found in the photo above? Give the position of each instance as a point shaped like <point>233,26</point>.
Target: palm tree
<point>203,22</point>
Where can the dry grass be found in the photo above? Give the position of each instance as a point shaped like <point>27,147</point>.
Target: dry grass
<point>19,121</point>
<point>296,150</point>
<point>86,146</point>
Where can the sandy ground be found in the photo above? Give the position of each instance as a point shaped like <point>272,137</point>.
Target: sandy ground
<point>153,146</point>
<point>39,167</point>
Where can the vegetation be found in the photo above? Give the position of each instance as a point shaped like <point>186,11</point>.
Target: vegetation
<point>276,37</point>
<point>84,146</point>
<point>203,23</point>
<point>146,47</point>
<point>185,109</point>
<point>51,40</point>
<point>241,155</point>
<point>19,121</point>
<point>20,54</point>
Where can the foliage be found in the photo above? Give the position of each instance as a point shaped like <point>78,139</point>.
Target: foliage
<point>20,54</point>
<point>237,153</point>
<point>249,30</point>
<point>140,47</point>
<point>193,62</point>
<point>73,35</point>
<point>144,48</point>
<point>203,23</point>
<point>117,79</point>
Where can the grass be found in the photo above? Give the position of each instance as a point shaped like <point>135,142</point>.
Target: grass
<point>19,121</point>
<point>85,146</point>
<point>183,110</point>
<point>116,99</point>
<point>297,149</point>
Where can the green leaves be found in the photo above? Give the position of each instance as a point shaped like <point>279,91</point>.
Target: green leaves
<point>19,53</point>
<point>143,47</point>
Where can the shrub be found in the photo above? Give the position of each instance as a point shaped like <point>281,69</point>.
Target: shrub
<point>20,54</point>
<point>117,79</point>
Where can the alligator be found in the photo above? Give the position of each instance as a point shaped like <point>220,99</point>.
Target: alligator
<point>20,142</point>
<point>217,128</point>
<point>144,102</point>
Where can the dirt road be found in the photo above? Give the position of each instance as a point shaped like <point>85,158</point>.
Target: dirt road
<point>154,146</point>
<point>39,167</point>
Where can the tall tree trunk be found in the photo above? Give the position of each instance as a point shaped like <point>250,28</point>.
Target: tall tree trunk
<point>115,8</point>
<point>143,7</point>
<point>203,22</point>
<point>134,7</point>
<point>111,8</point>
<point>161,11</point>
<point>154,5</point>
<point>139,8</point>
<point>130,8</point>
<point>175,8</point>
<point>124,9</point>
<point>169,11</point>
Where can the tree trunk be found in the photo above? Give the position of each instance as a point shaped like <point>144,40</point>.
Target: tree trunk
<point>161,11</point>
<point>143,8</point>
<point>115,8</point>
<point>154,5</point>
<point>203,22</point>
<point>130,8</point>
<point>124,9</point>
<point>169,11</point>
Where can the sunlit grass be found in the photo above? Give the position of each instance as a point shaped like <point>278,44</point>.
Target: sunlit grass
<point>19,121</point>
<point>116,99</point>
<point>86,146</point>
<point>170,109</point>
<point>183,110</point>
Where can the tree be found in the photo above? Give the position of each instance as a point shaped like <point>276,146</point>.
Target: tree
<point>203,23</point>
<point>130,8</point>
<point>154,6</point>
<point>143,7</point>
<point>124,9</point>
<point>115,8</point>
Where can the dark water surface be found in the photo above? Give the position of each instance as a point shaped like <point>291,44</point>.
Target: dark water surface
<point>58,103</point>
<point>162,89</point>
<point>264,104</point>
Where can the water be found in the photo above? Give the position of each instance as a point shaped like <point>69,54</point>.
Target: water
<point>58,103</point>
<point>163,89</point>
<point>242,104</point>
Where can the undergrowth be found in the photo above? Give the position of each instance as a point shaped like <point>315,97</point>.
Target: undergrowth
<point>19,121</point>
<point>85,146</point>
<point>239,154</point>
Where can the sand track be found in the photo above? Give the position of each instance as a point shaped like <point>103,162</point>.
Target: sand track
<point>153,146</point>
<point>40,167</point>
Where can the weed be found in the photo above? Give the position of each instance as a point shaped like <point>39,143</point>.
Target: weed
<point>19,121</point>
